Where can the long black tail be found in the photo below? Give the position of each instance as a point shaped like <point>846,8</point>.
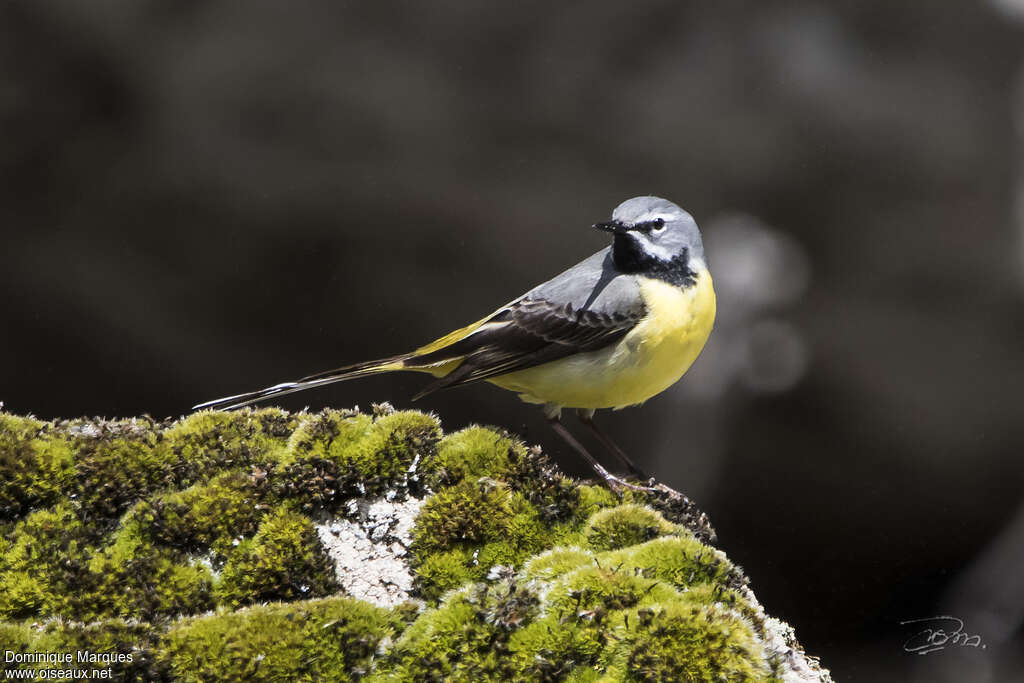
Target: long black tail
<point>318,380</point>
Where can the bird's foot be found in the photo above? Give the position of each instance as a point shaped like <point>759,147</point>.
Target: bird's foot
<point>650,486</point>
<point>673,504</point>
<point>666,491</point>
<point>619,485</point>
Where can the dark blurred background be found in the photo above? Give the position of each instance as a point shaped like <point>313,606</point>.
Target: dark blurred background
<point>199,199</point>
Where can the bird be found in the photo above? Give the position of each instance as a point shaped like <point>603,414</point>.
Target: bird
<point>610,332</point>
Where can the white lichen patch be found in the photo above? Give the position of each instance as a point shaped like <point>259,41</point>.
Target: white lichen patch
<point>797,666</point>
<point>370,547</point>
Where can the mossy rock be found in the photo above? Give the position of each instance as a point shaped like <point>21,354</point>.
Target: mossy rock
<point>625,525</point>
<point>283,561</point>
<point>126,647</point>
<point>212,441</point>
<point>594,617</point>
<point>119,461</point>
<point>371,453</point>
<point>36,465</point>
<point>44,559</point>
<point>331,639</point>
<point>257,545</point>
<point>210,518</point>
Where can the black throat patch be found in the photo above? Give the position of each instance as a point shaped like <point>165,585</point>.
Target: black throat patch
<point>630,257</point>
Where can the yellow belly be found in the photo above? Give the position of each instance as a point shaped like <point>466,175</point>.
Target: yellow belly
<point>648,360</point>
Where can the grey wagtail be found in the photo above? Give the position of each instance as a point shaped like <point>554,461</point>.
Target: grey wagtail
<point>610,332</point>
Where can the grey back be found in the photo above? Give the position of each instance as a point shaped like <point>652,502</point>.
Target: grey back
<point>593,284</point>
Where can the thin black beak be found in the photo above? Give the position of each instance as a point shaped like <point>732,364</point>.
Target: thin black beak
<point>617,227</point>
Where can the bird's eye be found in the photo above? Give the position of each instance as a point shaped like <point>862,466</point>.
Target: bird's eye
<point>654,225</point>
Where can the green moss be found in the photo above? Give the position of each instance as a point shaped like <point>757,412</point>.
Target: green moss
<point>592,623</point>
<point>625,525</point>
<point>132,578</point>
<point>454,642</point>
<point>488,523</point>
<point>590,611</point>
<point>313,485</point>
<point>211,440</point>
<point>211,517</point>
<point>327,435</point>
<point>466,514</point>
<point>664,636</point>
<point>551,648</point>
<point>471,453</point>
<point>528,576</point>
<point>501,527</point>
<point>481,452</point>
<point>580,674</point>
<point>332,639</point>
<point>393,444</point>
<point>344,454</point>
<point>680,560</point>
<point>692,643</point>
<point>36,465</point>
<point>532,473</point>
<point>129,577</point>
<point>511,552</point>
<point>283,561</point>
<point>45,564</point>
<point>123,646</point>
<point>608,613</point>
<point>605,588</point>
<point>49,568</point>
<point>593,498</point>
<point>555,562</point>
<point>568,529</point>
<point>118,462</point>
<point>443,571</point>
<point>725,597</point>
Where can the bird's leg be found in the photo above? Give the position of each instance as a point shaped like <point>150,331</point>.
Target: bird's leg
<point>610,480</point>
<point>587,418</point>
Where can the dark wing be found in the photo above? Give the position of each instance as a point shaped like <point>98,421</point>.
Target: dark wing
<point>526,333</point>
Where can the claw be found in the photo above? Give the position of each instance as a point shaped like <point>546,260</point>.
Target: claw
<point>618,485</point>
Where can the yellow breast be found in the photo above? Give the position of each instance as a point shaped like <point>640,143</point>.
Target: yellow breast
<point>648,360</point>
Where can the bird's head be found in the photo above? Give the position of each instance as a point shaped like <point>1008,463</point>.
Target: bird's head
<point>652,234</point>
